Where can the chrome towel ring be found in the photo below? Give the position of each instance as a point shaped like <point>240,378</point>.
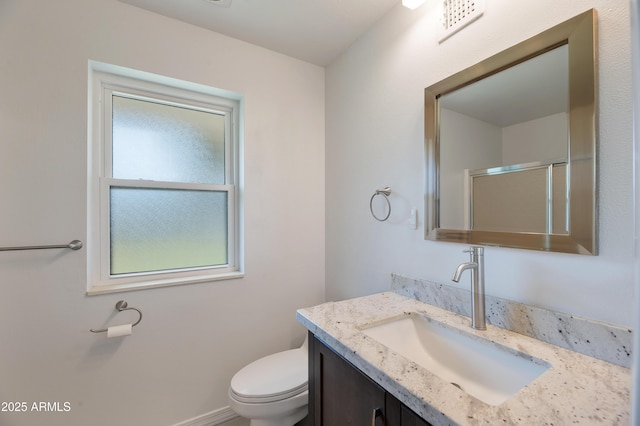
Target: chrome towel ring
<point>121,306</point>
<point>385,192</point>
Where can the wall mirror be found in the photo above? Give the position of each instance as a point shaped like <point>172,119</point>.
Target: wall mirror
<point>511,146</point>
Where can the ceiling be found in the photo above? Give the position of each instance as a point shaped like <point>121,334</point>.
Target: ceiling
<point>543,81</point>
<point>318,31</point>
<point>315,31</point>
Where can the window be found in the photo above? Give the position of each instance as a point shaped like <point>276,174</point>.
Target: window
<point>163,182</point>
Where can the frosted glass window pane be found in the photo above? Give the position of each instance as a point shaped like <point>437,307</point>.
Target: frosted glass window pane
<point>163,229</point>
<point>160,142</point>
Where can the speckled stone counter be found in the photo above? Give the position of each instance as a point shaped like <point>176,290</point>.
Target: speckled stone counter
<point>594,338</point>
<point>576,389</point>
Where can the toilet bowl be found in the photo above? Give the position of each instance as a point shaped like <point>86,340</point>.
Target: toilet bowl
<point>273,391</point>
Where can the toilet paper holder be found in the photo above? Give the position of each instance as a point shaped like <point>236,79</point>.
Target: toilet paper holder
<point>121,305</point>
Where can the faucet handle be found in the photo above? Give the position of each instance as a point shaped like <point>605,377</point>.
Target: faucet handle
<point>475,250</point>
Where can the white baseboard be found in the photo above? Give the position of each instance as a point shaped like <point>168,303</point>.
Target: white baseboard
<point>212,418</point>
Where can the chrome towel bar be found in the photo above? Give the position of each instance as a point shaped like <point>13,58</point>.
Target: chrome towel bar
<point>121,306</point>
<point>73,245</point>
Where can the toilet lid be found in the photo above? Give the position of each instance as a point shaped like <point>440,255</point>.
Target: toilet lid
<point>272,378</point>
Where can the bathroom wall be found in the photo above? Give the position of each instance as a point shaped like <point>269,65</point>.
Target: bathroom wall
<point>635,54</point>
<point>374,138</point>
<point>192,339</point>
<point>476,144</point>
<point>542,139</point>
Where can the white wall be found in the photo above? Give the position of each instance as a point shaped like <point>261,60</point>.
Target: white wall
<point>635,54</point>
<point>542,139</point>
<point>374,107</point>
<point>474,144</point>
<point>192,339</point>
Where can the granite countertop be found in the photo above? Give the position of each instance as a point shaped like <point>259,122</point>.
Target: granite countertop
<point>576,389</point>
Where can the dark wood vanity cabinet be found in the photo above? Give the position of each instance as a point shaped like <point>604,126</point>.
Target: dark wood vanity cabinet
<point>341,395</point>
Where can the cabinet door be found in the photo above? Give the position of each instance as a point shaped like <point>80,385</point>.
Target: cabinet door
<point>409,418</point>
<point>399,414</point>
<point>339,394</point>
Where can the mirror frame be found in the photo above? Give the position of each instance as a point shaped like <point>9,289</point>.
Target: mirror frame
<point>580,33</point>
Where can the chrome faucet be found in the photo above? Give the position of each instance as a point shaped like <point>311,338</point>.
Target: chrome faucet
<point>476,263</point>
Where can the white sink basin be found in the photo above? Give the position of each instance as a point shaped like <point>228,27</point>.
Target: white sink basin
<point>485,370</point>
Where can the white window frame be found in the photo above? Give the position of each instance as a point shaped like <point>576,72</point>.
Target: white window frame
<point>107,80</point>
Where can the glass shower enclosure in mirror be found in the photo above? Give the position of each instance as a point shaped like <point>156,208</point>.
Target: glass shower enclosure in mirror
<point>511,146</point>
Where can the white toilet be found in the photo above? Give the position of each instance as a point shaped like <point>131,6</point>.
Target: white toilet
<point>273,391</point>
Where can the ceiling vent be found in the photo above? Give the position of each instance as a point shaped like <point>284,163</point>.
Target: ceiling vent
<point>221,3</point>
<point>457,14</point>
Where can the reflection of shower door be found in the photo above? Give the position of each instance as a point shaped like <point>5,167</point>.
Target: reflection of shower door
<point>518,198</point>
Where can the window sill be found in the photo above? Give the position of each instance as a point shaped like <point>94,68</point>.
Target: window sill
<point>118,288</point>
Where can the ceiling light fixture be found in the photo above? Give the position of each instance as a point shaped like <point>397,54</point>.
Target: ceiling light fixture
<point>221,3</point>
<point>412,4</point>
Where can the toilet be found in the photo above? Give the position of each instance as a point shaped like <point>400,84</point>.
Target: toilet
<point>273,391</point>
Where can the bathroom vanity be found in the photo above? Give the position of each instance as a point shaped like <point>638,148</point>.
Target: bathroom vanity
<point>358,378</point>
<point>340,394</point>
